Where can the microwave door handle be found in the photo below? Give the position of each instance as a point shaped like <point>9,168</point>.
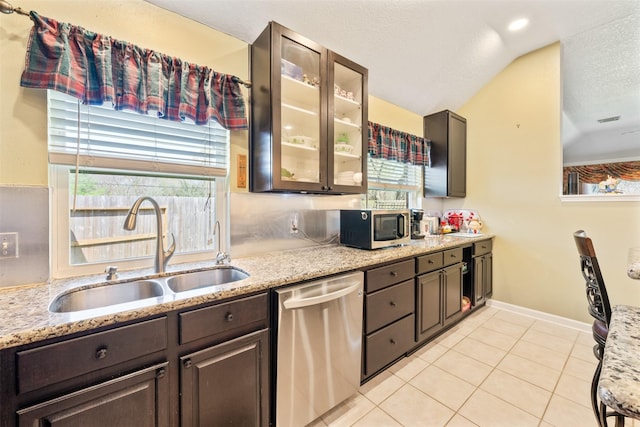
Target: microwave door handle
<point>293,303</point>
<point>401,226</point>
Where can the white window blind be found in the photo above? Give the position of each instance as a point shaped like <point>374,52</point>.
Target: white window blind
<point>384,173</point>
<point>101,137</point>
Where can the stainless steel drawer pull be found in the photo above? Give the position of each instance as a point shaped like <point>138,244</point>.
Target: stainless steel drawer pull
<point>393,273</point>
<point>392,303</point>
<point>229,317</point>
<point>392,341</point>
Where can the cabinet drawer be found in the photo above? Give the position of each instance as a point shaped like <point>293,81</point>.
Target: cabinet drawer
<point>427,263</point>
<point>481,248</point>
<point>389,343</point>
<point>388,305</point>
<point>452,256</point>
<point>244,315</point>
<point>57,362</point>
<point>382,277</point>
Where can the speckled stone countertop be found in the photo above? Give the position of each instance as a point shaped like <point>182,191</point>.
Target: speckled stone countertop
<point>633,270</point>
<point>26,318</point>
<point>619,386</point>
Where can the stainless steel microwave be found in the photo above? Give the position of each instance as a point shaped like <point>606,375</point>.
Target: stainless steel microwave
<point>374,228</point>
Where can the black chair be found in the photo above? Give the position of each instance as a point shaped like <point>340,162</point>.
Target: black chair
<point>600,310</point>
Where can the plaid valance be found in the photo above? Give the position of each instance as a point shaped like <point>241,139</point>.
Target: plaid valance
<point>96,68</point>
<point>593,174</point>
<point>391,144</point>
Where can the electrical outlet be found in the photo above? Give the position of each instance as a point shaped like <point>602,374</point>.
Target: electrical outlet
<point>294,223</point>
<point>8,245</point>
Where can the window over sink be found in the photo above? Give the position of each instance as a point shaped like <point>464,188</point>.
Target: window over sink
<point>102,160</point>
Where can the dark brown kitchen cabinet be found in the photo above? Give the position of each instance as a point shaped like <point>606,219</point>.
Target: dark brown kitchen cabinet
<point>226,384</point>
<point>206,365</point>
<point>482,272</point>
<point>389,321</point>
<point>438,292</point>
<point>309,117</point>
<point>225,379</point>
<point>137,399</point>
<point>118,376</point>
<point>447,176</point>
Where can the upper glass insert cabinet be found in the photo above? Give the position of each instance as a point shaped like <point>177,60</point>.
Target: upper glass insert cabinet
<point>309,111</point>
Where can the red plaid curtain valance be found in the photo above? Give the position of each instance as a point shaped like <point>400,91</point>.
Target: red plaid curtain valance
<point>96,68</point>
<point>391,144</point>
<point>593,174</point>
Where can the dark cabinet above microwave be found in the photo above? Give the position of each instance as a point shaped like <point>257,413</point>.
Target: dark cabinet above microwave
<point>447,176</point>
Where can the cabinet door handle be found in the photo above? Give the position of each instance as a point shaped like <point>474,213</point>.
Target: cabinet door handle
<point>430,261</point>
<point>187,363</point>
<point>160,373</point>
<point>392,341</point>
<point>101,353</point>
<point>394,273</point>
<point>392,303</point>
<point>229,317</point>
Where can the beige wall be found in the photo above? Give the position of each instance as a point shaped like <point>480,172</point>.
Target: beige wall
<point>513,179</point>
<point>514,155</point>
<point>23,117</point>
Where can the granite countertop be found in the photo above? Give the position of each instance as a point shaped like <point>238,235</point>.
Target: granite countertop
<point>26,319</point>
<point>619,386</point>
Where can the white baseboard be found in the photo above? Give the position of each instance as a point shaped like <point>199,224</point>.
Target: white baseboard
<point>540,315</point>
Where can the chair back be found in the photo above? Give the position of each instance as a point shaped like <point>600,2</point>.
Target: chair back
<point>599,306</point>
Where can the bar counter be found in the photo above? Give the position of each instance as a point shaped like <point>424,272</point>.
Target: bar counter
<point>619,386</point>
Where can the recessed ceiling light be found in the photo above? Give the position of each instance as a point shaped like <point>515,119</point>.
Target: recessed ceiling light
<point>518,24</point>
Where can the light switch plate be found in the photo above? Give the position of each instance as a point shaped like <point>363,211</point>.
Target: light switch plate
<point>8,245</point>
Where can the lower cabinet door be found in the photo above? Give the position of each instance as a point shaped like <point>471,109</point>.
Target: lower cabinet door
<point>227,384</point>
<point>488,275</point>
<point>138,399</point>
<point>478,280</point>
<point>452,293</point>
<point>428,305</point>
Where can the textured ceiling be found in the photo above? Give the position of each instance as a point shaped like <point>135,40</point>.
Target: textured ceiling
<point>429,55</point>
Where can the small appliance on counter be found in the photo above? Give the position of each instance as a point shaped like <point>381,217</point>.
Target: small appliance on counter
<point>374,228</point>
<point>416,220</point>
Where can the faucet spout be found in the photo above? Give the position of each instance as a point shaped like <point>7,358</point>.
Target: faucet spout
<point>162,256</point>
<point>221,257</point>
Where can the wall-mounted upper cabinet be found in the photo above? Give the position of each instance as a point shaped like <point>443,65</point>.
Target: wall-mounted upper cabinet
<point>308,117</point>
<point>447,176</point>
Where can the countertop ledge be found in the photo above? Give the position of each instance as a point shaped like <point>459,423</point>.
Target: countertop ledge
<point>26,318</point>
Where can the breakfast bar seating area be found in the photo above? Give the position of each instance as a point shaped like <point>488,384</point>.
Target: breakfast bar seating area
<point>615,388</point>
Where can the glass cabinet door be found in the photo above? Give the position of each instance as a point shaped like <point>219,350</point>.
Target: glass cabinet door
<point>301,113</point>
<point>308,117</point>
<point>347,124</point>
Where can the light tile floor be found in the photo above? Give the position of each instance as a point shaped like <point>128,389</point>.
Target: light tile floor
<point>495,368</point>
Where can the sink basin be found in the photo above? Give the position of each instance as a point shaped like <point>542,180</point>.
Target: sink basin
<point>105,295</point>
<point>203,279</point>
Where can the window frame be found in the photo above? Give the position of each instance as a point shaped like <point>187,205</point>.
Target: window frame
<point>61,176</point>
<point>59,179</point>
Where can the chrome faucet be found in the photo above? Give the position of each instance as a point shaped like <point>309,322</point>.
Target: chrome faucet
<point>221,257</point>
<point>162,256</point>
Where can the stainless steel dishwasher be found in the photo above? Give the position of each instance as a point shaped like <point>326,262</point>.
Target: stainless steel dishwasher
<point>319,347</point>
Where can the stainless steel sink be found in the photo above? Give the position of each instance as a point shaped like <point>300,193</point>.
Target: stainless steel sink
<point>105,295</point>
<point>202,279</point>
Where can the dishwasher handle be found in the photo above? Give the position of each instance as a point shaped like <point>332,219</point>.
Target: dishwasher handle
<point>293,303</point>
